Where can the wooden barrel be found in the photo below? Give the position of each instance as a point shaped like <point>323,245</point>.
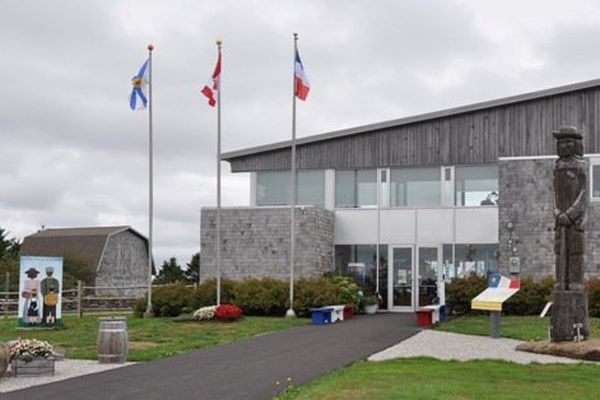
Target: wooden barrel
<point>112,340</point>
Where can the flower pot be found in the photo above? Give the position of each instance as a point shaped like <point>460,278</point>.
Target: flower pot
<point>37,366</point>
<point>371,309</point>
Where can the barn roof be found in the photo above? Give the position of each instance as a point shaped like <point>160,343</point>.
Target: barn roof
<point>505,101</point>
<point>86,244</point>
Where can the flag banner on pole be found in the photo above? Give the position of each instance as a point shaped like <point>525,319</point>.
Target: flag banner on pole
<point>211,89</point>
<point>301,85</point>
<point>138,99</point>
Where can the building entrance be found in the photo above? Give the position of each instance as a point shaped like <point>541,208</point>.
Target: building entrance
<point>413,273</point>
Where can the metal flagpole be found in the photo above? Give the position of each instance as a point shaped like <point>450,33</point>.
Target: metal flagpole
<point>290,312</point>
<point>150,182</point>
<point>378,182</point>
<point>219,43</point>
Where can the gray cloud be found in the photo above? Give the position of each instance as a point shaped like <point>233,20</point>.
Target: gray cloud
<point>72,152</point>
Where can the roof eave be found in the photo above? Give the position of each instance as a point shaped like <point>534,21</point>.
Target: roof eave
<point>229,156</point>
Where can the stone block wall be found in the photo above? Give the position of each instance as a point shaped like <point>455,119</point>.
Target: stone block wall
<point>256,242</point>
<point>527,200</point>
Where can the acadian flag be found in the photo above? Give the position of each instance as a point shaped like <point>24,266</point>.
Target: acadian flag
<point>301,85</point>
<point>138,99</point>
<point>211,89</point>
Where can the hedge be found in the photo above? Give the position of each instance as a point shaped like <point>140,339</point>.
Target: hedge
<point>265,296</point>
<point>529,300</point>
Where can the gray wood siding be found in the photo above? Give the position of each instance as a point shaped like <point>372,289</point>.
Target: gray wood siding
<point>478,137</point>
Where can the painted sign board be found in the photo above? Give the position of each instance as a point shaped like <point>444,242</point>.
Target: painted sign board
<point>40,296</point>
<point>499,290</point>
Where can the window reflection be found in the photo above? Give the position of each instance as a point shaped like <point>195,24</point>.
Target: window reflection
<point>273,188</point>
<point>360,262</point>
<point>476,185</point>
<point>414,187</point>
<point>356,188</point>
<point>480,259</point>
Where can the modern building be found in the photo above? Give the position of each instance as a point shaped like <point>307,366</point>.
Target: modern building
<point>117,256</point>
<point>464,188</point>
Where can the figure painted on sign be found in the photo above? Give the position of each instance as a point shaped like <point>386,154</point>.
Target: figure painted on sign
<point>50,288</point>
<point>570,188</point>
<point>30,294</point>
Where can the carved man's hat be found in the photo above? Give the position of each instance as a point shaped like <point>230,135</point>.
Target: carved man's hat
<point>567,132</point>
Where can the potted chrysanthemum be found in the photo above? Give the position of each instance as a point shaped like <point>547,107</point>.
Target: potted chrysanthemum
<point>370,304</point>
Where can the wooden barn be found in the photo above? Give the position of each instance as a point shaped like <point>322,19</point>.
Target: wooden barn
<point>117,255</point>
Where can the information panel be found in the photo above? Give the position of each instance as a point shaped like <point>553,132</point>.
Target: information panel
<point>500,289</point>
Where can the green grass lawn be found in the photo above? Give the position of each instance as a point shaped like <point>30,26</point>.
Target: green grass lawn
<point>426,379</point>
<point>523,328</point>
<point>149,339</point>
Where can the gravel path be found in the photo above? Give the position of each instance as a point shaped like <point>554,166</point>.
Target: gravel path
<point>63,370</point>
<point>454,346</point>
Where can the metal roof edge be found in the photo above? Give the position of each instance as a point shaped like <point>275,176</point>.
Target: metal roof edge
<point>228,156</point>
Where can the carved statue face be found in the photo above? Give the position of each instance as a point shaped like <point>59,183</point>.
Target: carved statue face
<point>566,148</point>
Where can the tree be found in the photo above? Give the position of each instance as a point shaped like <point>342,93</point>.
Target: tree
<point>170,272</point>
<point>192,273</point>
<point>9,260</point>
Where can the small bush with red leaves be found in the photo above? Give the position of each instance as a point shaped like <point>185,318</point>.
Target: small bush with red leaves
<point>228,312</point>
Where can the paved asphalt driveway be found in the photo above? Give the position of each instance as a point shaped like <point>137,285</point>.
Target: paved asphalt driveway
<point>246,369</point>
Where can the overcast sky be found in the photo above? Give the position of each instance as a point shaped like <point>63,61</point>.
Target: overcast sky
<point>73,154</point>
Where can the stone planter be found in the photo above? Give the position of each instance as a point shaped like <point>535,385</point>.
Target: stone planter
<point>4,358</point>
<point>371,309</point>
<point>39,366</point>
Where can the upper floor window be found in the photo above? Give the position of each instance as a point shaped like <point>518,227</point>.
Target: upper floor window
<point>595,179</point>
<point>356,188</point>
<point>273,187</point>
<point>476,185</point>
<point>415,187</point>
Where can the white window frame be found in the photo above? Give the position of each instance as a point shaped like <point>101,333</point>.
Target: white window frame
<point>592,161</point>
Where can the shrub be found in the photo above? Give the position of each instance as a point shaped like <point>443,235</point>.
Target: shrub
<point>139,307</point>
<point>315,292</point>
<point>349,290</point>
<point>206,294</point>
<point>170,300</point>
<point>460,292</point>
<point>264,296</point>
<point>593,292</point>
<point>227,312</point>
<point>531,298</point>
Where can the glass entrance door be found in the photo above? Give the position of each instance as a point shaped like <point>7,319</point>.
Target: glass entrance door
<point>401,285</point>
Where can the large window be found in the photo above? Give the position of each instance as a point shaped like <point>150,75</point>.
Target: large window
<point>477,185</point>
<point>416,187</point>
<point>356,188</point>
<point>480,259</point>
<point>360,262</point>
<point>273,188</point>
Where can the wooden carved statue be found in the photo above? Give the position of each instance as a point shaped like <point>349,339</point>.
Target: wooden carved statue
<point>569,311</point>
<point>571,199</point>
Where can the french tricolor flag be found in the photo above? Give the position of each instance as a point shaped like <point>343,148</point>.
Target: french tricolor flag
<point>301,85</point>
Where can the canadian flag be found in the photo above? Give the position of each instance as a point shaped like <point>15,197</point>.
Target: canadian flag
<point>211,89</point>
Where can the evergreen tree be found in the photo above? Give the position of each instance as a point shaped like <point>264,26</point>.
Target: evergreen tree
<point>170,272</point>
<point>9,260</point>
<point>192,273</point>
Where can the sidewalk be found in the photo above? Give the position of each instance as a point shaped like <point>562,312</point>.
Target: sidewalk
<point>254,368</point>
